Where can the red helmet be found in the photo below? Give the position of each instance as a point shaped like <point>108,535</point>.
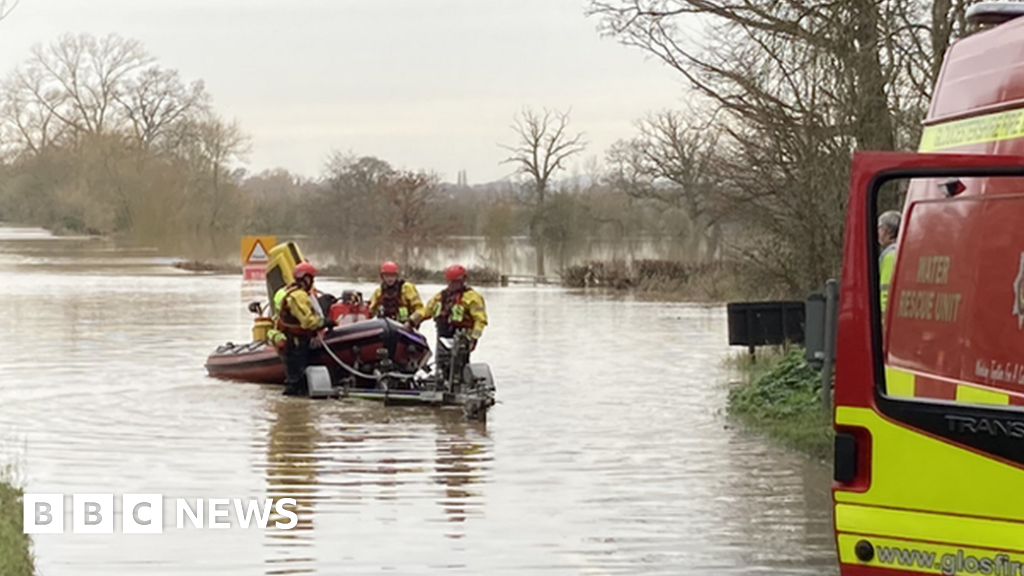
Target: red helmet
<point>455,272</point>
<point>389,267</point>
<point>303,270</point>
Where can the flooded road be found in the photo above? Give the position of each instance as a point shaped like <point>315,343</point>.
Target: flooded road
<point>607,454</point>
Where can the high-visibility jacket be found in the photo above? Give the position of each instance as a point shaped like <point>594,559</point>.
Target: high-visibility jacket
<point>400,301</point>
<point>296,313</point>
<point>458,309</point>
<point>886,265</point>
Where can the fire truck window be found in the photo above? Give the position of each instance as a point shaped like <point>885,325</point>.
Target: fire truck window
<point>948,268</point>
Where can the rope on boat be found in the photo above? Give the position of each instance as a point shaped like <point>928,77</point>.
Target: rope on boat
<point>359,374</point>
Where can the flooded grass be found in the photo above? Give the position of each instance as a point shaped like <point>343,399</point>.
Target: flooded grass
<point>780,395</point>
<point>15,547</point>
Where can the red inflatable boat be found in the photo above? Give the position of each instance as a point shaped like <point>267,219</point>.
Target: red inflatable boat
<point>363,345</point>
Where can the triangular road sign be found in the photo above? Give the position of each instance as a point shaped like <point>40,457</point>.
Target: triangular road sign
<point>258,254</point>
<point>255,250</point>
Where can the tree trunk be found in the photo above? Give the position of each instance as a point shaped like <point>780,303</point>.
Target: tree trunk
<point>873,127</point>
<point>942,29</point>
<point>714,243</point>
<point>538,226</point>
<point>539,249</point>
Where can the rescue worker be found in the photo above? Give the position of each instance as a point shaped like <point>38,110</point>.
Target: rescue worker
<point>296,322</point>
<point>888,231</point>
<point>457,307</point>
<point>396,297</point>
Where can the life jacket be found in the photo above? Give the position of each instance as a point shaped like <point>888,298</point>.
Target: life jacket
<point>451,314</point>
<point>886,265</point>
<point>284,320</point>
<point>392,303</point>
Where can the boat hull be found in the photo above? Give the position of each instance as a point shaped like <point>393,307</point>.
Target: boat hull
<point>363,345</point>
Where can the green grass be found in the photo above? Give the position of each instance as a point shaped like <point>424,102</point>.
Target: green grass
<point>15,547</point>
<point>780,395</point>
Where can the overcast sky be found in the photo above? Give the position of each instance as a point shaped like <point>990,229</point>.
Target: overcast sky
<point>429,84</point>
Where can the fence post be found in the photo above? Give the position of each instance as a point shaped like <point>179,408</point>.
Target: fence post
<point>831,309</point>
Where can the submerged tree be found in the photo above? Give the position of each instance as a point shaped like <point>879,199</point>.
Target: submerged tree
<point>412,197</point>
<point>673,162</point>
<point>544,145</point>
<point>348,210</point>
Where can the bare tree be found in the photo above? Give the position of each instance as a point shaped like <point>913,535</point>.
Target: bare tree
<point>544,145</point>
<point>795,87</point>
<point>214,145</point>
<point>99,138</point>
<point>28,124</point>
<point>673,162</point>
<point>83,87</point>
<point>156,99</point>
<point>413,198</point>
<point>348,207</point>
<point>81,77</point>
<point>277,202</point>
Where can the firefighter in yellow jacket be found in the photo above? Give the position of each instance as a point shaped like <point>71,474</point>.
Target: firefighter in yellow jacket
<point>457,307</point>
<point>396,297</point>
<point>296,321</point>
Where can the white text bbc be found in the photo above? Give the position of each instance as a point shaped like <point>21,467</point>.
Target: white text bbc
<point>144,513</point>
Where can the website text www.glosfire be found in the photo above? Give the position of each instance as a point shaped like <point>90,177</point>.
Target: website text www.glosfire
<point>950,564</point>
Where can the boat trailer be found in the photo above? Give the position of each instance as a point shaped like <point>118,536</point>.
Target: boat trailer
<point>453,381</point>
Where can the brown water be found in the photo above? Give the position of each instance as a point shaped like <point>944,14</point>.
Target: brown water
<point>608,453</point>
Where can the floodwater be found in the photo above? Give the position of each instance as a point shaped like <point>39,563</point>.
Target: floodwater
<point>608,452</point>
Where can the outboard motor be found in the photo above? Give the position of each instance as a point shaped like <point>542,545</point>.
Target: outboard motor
<point>478,389</point>
<point>452,358</point>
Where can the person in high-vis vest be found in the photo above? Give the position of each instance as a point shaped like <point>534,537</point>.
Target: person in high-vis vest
<point>888,232</point>
<point>296,322</point>
<point>457,307</point>
<point>396,297</point>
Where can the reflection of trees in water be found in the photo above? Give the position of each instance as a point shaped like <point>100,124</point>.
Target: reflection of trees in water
<point>359,453</point>
<point>463,452</point>
<point>364,446</point>
<point>782,517</point>
<point>291,472</point>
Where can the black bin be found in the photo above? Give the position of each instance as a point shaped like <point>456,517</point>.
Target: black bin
<point>765,323</point>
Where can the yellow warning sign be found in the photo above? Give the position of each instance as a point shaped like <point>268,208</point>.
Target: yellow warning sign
<point>255,249</point>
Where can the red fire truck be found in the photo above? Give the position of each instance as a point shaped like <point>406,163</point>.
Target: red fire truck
<point>929,395</point>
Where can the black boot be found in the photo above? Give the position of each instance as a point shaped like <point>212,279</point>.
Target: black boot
<point>295,359</point>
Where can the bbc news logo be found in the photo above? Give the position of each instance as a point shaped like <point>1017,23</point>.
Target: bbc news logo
<point>144,513</point>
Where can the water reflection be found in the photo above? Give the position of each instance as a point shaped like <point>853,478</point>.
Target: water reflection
<point>366,462</point>
<point>785,499</point>
<point>292,472</point>
<point>463,456</point>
